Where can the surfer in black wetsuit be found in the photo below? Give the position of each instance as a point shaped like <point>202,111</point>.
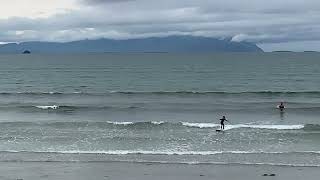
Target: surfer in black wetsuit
<point>222,121</point>
<point>281,106</point>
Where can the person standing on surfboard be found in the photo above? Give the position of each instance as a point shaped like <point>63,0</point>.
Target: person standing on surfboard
<point>222,122</point>
<point>281,106</point>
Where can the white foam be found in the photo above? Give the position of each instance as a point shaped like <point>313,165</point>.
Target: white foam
<point>128,152</point>
<point>48,107</point>
<point>168,152</point>
<point>200,125</point>
<point>157,122</point>
<point>280,127</point>
<point>120,123</point>
<point>129,123</point>
<point>236,126</point>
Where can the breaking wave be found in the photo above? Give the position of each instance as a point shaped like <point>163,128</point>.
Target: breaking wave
<point>180,153</point>
<point>228,127</point>
<point>163,124</point>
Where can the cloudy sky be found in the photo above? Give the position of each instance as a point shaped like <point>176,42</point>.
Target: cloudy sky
<point>272,24</point>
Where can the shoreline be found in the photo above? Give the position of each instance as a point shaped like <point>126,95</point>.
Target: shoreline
<point>154,171</point>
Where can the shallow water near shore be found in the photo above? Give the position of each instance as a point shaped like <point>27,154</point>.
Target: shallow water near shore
<point>161,108</point>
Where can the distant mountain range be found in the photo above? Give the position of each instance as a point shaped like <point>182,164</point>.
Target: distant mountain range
<point>155,44</point>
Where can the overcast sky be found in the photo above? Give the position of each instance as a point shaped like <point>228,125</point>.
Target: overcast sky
<point>272,24</point>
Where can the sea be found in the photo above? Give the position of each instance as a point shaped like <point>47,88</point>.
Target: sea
<point>161,108</point>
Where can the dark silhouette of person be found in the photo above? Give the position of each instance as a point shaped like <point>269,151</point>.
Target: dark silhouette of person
<point>281,106</point>
<point>222,122</point>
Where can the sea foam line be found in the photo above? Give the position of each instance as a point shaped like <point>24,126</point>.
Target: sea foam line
<point>144,152</point>
<point>120,123</point>
<point>183,124</point>
<point>48,107</point>
<point>236,126</point>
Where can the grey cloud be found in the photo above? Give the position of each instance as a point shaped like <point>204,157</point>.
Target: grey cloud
<point>242,20</point>
<point>98,2</point>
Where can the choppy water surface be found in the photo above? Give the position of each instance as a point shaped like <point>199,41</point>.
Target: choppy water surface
<point>161,108</point>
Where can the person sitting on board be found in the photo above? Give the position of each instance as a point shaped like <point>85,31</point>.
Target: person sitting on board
<point>222,122</point>
<point>281,106</point>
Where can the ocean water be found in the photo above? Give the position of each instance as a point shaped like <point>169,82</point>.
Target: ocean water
<point>158,107</point>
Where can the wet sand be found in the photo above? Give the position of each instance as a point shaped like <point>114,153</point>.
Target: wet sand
<point>145,171</point>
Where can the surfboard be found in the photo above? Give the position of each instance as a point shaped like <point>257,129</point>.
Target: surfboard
<point>279,107</point>
<point>219,130</point>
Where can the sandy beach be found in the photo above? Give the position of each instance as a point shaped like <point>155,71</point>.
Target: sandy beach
<point>135,171</point>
